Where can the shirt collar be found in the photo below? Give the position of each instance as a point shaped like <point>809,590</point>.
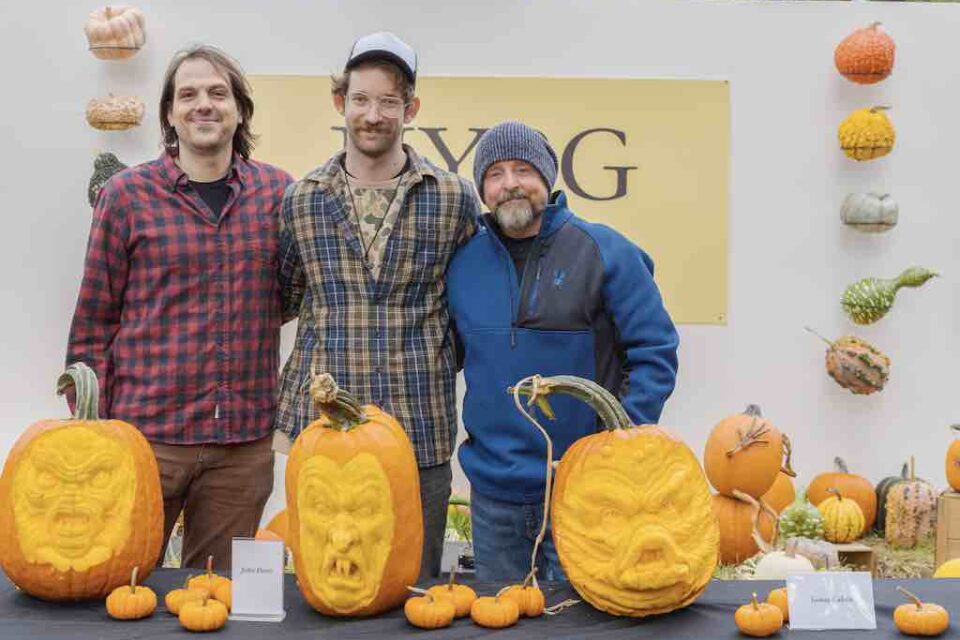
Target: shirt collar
<point>177,177</point>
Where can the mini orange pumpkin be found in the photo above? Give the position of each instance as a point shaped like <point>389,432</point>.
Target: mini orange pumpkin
<point>865,56</point>
<point>778,598</point>
<point>745,452</point>
<point>920,618</point>
<point>205,615</point>
<point>209,580</point>
<point>461,595</point>
<point>758,619</point>
<point>176,598</point>
<point>495,612</point>
<point>429,611</point>
<point>353,502</point>
<point>133,602</point>
<point>80,502</point>
<point>529,599</point>
<point>224,593</point>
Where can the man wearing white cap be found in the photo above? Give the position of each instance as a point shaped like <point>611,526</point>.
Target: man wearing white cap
<point>365,240</point>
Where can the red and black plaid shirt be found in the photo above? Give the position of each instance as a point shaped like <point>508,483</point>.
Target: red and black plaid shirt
<point>178,315</point>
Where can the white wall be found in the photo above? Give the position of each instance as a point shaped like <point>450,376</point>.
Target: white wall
<point>790,257</point>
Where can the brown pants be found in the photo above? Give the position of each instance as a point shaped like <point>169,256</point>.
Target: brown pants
<point>221,490</point>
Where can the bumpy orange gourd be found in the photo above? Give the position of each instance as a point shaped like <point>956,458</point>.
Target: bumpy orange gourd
<point>865,56</point>
<point>778,598</point>
<point>80,502</point>
<point>911,511</point>
<point>843,519</point>
<point>429,611</point>
<point>867,134</point>
<point>209,580</point>
<point>853,486</point>
<point>782,494</point>
<point>461,595</point>
<point>745,452</point>
<point>920,618</point>
<point>176,598</point>
<point>115,32</point>
<point>131,602</point>
<point>353,502</point>
<point>953,460</point>
<point>205,615</point>
<point>529,599</point>
<point>495,612</point>
<point>737,519</point>
<point>758,619</point>
<point>630,507</point>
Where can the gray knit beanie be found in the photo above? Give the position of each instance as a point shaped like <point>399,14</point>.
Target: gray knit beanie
<point>513,140</point>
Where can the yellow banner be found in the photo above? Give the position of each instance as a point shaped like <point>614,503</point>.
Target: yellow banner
<point>647,157</point>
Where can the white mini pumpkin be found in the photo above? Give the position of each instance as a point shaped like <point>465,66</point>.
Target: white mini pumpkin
<point>115,32</point>
<point>777,564</point>
<point>870,212</point>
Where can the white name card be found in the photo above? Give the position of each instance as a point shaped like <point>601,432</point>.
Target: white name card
<point>257,571</point>
<point>831,600</point>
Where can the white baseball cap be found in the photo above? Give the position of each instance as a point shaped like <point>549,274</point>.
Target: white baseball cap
<point>383,45</point>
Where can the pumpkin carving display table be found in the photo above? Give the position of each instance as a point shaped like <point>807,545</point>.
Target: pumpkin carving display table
<point>23,617</point>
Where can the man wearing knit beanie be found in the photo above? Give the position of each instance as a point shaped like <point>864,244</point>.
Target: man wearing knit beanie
<point>539,290</point>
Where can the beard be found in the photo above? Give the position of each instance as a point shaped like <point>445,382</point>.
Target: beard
<point>515,212</point>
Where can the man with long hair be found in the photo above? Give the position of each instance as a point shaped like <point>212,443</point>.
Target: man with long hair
<point>179,308</point>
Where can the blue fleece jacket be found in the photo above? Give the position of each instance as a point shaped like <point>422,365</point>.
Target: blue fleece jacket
<point>585,305</point>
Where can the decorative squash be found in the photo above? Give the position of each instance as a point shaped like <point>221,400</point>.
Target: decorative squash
<point>461,595</point>
<point>105,166</point>
<point>869,212</point>
<point>949,569</point>
<point>953,459</point>
<point>115,113</point>
<point>631,509</point>
<point>209,580</point>
<point>176,598</point>
<point>133,602</point>
<point>866,55</point>
<point>869,299</point>
<point>115,32</point>
<point>429,611</point>
<point>920,618</point>
<point>855,364</point>
<point>782,494</point>
<point>801,519</point>
<point>205,615</point>
<point>911,512</point>
<point>843,519</point>
<point>495,612</point>
<point>883,490</point>
<point>740,523</point>
<point>353,501</point>
<point>744,452</point>
<point>867,134</point>
<point>758,619</point>
<point>778,598</point>
<point>80,502</point>
<point>776,565</point>
<point>529,599</point>
<point>853,486</point>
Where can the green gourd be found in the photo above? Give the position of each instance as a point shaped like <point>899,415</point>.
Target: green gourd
<point>869,299</point>
<point>801,520</point>
<point>883,488</point>
<point>104,167</point>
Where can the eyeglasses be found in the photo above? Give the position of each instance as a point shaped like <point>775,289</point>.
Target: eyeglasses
<point>387,106</point>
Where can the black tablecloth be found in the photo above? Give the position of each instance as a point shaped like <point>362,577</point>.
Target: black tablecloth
<point>23,617</point>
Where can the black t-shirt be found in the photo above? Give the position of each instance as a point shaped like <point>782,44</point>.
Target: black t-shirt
<point>518,249</point>
<point>215,194</point>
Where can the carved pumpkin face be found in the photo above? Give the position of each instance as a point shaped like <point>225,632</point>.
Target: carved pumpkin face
<point>80,507</point>
<point>632,521</point>
<point>355,523</point>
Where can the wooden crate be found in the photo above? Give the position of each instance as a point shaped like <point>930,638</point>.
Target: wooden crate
<point>948,528</point>
<point>858,555</point>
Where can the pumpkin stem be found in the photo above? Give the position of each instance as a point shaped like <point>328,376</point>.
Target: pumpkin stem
<point>753,601</point>
<point>453,574</point>
<point>876,108</point>
<point>787,468</point>
<point>560,606</point>
<point>913,475</point>
<point>827,340</point>
<point>342,408</point>
<point>757,506</point>
<point>133,579</point>
<point>840,465</point>
<point>107,12</point>
<point>956,430</point>
<point>874,25</point>
<point>836,492</point>
<point>754,435</point>
<point>915,599</point>
<point>422,592</point>
<point>84,378</point>
<point>530,577</point>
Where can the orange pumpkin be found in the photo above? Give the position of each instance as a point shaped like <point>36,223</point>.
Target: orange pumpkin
<point>865,56</point>
<point>758,619</point>
<point>209,580</point>
<point>353,501</point>
<point>778,598</point>
<point>495,612</point>
<point>782,494</point>
<point>738,519</point>
<point>461,595</point>
<point>133,602</point>
<point>745,452</point>
<point>920,618</point>
<point>529,599</point>
<point>267,534</point>
<point>80,502</point>
<point>429,611</point>
<point>852,486</point>
<point>278,524</point>
<point>953,460</point>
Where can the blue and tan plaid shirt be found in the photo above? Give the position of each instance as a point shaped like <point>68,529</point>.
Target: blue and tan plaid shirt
<point>386,340</point>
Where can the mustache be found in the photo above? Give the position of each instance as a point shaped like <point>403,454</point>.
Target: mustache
<point>512,194</point>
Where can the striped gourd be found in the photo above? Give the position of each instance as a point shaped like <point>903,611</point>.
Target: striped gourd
<point>843,519</point>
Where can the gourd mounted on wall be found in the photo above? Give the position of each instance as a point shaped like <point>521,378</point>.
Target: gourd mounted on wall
<point>856,364</point>
<point>115,113</point>
<point>115,32</point>
<point>869,212</point>
<point>105,167</point>
<point>867,134</point>
<point>869,299</point>
<point>865,56</point>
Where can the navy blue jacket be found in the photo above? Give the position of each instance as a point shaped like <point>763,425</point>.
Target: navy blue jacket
<point>585,305</point>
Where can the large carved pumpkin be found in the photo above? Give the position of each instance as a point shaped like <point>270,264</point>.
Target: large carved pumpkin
<point>353,502</point>
<point>80,502</point>
<point>853,486</point>
<point>744,452</point>
<point>631,510</point>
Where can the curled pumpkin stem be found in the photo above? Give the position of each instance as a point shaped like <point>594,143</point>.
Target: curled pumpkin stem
<point>787,468</point>
<point>337,404</point>
<point>133,579</point>
<point>560,606</point>
<point>915,599</point>
<point>753,437</point>
<point>757,506</point>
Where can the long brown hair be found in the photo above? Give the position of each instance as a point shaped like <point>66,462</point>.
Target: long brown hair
<point>243,137</point>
